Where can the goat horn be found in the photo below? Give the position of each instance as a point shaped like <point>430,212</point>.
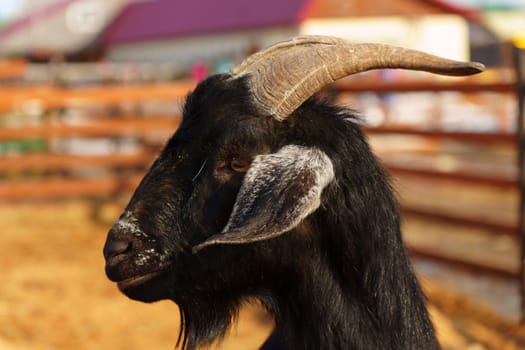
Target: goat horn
<point>284,75</point>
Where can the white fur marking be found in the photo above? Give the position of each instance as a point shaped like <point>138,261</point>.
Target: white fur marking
<point>200,170</point>
<point>130,224</point>
<point>290,162</point>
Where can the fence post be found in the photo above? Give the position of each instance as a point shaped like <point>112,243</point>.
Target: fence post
<point>519,59</point>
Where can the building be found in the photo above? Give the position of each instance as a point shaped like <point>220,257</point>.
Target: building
<point>48,28</point>
<point>184,32</point>
<point>201,30</point>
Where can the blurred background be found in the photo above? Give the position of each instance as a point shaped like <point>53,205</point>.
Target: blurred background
<point>91,89</point>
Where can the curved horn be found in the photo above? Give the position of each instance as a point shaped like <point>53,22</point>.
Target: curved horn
<point>286,74</point>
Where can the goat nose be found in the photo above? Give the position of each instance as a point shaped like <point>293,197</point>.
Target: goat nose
<point>115,247</point>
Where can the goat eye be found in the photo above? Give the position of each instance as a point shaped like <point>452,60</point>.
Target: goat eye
<point>239,165</point>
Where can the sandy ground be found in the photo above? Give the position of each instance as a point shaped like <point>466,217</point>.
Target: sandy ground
<point>54,294</point>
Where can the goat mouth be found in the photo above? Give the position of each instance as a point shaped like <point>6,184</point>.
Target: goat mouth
<point>136,280</point>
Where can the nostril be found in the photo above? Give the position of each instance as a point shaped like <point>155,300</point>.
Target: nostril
<point>114,248</point>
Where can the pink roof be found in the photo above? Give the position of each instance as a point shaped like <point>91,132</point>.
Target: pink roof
<point>172,18</point>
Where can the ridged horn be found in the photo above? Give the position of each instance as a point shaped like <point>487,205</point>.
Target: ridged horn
<point>284,75</point>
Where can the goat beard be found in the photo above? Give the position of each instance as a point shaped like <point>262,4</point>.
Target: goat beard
<point>202,324</point>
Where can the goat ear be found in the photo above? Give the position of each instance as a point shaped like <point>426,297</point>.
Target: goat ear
<point>278,192</point>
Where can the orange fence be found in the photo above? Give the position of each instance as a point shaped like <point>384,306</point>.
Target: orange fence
<point>53,97</point>
<point>460,172</point>
<point>130,139</point>
<point>56,171</point>
<point>12,69</point>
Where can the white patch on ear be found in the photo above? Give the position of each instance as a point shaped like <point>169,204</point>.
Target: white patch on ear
<point>294,160</point>
<point>278,191</point>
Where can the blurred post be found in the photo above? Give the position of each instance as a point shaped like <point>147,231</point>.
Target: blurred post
<point>519,59</point>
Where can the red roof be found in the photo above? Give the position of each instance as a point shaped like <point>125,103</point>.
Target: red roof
<point>469,13</point>
<point>172,18</point>
<point>378,8</point>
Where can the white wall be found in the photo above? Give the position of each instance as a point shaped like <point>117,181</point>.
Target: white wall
<point>443,35</point>
<point>507,24</point>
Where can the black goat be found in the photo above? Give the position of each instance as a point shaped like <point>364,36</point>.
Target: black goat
<point>266,192</point>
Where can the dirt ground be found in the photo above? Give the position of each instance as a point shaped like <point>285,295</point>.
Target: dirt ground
<point>54,294</point>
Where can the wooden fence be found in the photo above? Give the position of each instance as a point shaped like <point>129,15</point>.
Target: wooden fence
<point>53,172</point>
<point>511,180</point>
<point>466,175</point>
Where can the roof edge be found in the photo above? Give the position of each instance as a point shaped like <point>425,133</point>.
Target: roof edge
<point>33,17</point>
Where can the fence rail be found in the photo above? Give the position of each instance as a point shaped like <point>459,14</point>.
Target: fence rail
<point>51,173</point>
<point>469,176</point>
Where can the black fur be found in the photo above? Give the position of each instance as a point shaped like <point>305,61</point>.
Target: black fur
<point>339,280</point>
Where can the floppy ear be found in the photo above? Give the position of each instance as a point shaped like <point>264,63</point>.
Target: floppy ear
<point>278,192</point>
